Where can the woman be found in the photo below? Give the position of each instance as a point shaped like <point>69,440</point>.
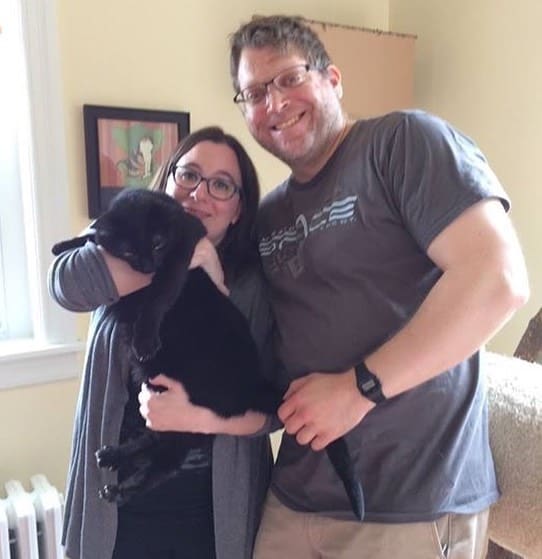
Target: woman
<point>212,508</point>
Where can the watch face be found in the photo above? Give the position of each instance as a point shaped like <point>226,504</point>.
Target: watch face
<point>368,384</point>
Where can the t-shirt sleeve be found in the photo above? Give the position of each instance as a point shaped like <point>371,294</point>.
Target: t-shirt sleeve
<point>436,173</point>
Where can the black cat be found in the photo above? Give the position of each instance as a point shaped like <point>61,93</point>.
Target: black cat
<point>184,327</point>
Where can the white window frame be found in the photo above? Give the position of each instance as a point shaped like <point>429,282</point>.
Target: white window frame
<point>54,352</point>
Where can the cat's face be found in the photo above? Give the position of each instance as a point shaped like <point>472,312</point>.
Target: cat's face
<point>142,227</point>
<point>143,250</point>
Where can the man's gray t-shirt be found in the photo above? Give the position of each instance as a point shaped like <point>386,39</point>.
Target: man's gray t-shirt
<point>345,257</point>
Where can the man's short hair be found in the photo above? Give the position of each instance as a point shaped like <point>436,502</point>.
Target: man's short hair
<point>282,33</point>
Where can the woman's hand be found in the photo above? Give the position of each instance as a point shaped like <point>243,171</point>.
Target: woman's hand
<point>171,410</point>
<point>206,257</point>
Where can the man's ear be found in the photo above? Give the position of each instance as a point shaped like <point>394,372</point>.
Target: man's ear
<point>335,77</point>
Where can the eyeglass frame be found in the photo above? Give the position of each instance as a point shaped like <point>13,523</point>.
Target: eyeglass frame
<point>238,97</point>
<point>237,189</point>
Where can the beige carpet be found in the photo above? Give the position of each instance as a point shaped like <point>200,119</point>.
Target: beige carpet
<point>515,423</point>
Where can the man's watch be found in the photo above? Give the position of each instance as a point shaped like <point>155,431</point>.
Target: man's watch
<point>368,384</point>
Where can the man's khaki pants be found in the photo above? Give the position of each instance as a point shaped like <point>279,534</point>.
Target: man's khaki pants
<point>287,534</point>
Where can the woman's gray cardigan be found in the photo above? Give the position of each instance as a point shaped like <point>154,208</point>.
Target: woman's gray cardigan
<point>80,281</point>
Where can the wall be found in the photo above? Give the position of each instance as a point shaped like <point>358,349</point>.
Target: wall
<point>35,431</point>
<point>478,65</point>
<point>167,55</point>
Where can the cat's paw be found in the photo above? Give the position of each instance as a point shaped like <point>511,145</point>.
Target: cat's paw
<point>145,347</point>
<point>107,457</point>
<point>114,494</point>
<point>110,493</point>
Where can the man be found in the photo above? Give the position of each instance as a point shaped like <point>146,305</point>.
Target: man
<point>391,261</point>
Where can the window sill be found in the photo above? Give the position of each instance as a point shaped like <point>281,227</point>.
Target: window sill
<point>27,362</point>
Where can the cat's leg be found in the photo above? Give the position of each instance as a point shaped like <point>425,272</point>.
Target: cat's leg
<point>134,474</point>
<point>146,329</point>
<point>75,242</point>
<point>133,458</point>
<point>114,457</point>
<point>164,290</point>
<point>142,480</point>
<point>157,465</point>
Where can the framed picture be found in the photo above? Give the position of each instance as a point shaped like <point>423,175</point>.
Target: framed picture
<point>124,148</point>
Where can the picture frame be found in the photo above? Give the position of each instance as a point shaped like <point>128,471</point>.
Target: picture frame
<point>124,148</point>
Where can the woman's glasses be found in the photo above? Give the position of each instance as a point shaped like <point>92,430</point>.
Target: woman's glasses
<point>217,187</point>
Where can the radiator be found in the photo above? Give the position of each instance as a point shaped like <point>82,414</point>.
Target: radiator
<point>31,521</point>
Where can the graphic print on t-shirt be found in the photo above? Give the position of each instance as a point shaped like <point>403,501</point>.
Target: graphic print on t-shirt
<point>283,248</point>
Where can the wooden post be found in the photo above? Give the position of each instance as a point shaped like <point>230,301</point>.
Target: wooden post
<point>530,345</point>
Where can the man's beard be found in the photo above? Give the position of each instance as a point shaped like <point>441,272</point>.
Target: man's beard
<point>305,151</point>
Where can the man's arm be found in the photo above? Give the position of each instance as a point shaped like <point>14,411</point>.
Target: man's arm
<point>484,282</point>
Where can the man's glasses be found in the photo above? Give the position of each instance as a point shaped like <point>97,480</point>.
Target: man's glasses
<point>288,79</point>
<point>218,188</point>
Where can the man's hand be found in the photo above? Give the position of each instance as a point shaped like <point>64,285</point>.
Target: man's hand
<point>321,407</point>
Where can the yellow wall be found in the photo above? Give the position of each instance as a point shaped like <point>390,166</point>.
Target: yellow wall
<point>35,431</point>
<point>165,54</point>
<point>478,65</point>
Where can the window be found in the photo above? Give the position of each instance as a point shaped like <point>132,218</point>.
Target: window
<point>37,339</point>
<point>14,307</point>
<point>3,308</point>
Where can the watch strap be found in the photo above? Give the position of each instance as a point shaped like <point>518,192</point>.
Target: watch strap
<point>368,384</point>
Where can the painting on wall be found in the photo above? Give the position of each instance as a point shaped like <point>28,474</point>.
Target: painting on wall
<point>125,148</point>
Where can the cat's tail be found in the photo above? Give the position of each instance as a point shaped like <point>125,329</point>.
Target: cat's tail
<point>266,398</point>
<point>339,456</point>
